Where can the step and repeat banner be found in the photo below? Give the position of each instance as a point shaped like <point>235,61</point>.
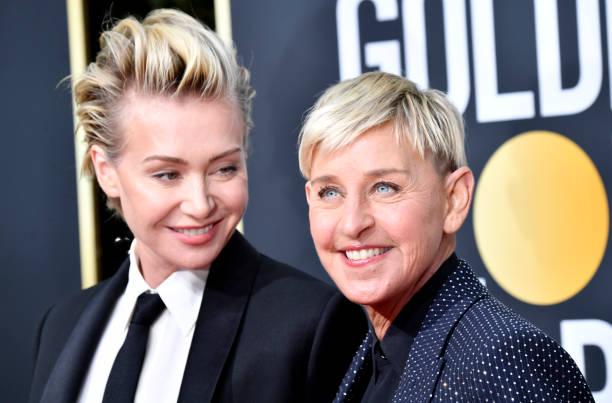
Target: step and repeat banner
<point>533,80</point>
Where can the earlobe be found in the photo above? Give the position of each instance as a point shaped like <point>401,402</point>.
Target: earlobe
<point>106,173</point>
<point>459,191</point>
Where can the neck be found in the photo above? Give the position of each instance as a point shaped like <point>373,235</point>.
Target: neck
<point>154,279</point>
<point>382,315</point>
<point>152,272</point>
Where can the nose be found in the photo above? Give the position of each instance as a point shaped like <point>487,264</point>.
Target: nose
<point>356,218</point>
<point>197,202</point>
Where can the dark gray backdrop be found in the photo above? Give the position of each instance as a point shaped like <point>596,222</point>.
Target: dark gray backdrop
<point>39,247</point>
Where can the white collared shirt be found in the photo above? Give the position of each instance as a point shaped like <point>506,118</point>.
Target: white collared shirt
<point>169,338</point>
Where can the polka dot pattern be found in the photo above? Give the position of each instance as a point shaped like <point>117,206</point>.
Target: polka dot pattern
<point>471,347</point>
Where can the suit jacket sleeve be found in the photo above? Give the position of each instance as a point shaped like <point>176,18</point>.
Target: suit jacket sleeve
<point>36,349</point>
<point>55,328</point>
<point>530,365</point>
<point>509,359</point>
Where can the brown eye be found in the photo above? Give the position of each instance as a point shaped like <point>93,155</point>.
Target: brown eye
<point>228,170</point>
<point>166,176</point>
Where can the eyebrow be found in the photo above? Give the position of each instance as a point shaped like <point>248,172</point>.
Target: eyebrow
<point>387,171</point>
<point>180,161</point>
<point>373,174</point>
<point>165,158</point>
<point>324,178</point>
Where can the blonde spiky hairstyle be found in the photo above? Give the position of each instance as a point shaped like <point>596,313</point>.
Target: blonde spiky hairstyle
<point>169,53</point>
<point>425,118</point>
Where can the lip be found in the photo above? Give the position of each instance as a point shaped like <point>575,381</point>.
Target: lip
<point>196,239</point>
<point>367,261</point>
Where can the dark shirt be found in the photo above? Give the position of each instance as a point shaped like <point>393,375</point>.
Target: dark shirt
<point>389,355</point>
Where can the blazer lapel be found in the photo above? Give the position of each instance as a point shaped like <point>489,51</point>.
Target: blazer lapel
<point>359,367</point>
<point>426,358</point>
<point>65,380</point>
<point>226,296</point>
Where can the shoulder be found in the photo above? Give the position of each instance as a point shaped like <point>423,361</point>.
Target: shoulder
<point>503,356</point>
<point>293,284</point>
<point>308,305</point>
<point>267,278</point>
<point>54,329</point>
<point>303,329</point>
<point>286,298</point>
<point>282,291</point>
<point>67,311</point>
<point>56,325</point>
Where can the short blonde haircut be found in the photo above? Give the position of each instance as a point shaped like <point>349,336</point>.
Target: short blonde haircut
<point>169,53</point>
<point>425,118</point>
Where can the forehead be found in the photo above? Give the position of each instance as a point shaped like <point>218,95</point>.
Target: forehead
<point>376,149</point>
<point>168,121</point>
<point>134,103</point>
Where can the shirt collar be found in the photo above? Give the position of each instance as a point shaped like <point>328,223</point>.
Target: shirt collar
<point>398,340</point>
<point>181,292</point>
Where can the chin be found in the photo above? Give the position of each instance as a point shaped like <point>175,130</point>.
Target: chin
<point>195,263</point>
<point>361,294</point>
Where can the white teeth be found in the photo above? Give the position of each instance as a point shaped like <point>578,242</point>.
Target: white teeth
<point>364,254</point>
<point>194,231</point>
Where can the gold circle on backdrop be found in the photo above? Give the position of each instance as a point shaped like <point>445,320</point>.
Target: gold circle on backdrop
<point>541,217</point>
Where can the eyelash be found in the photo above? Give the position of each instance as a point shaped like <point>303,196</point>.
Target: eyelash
<point>166,176</point>
<point>228,170</point>
<point>390,185</point>
<point>326,189</point>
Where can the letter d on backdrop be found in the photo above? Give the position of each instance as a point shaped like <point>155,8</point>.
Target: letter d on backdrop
<point>576,334</point>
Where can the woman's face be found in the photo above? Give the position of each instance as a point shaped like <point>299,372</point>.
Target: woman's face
<point>181,179</point>
<point>377,212</point>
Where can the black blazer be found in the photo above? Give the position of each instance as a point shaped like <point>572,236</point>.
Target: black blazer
<point>265,333</point>
<point>472,348</point>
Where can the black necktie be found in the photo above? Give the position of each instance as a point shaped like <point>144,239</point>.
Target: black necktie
<point>123,378</point>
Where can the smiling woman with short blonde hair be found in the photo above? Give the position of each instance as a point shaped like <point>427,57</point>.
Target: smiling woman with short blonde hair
<point>388,188</point>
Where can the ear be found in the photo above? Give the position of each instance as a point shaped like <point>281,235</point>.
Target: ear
<point>106,173</point>
<point>308,190</point>
<point>459,190</point>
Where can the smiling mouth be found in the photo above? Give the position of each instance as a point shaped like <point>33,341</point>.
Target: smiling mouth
<point>193,231</point>
<point>364,254</point>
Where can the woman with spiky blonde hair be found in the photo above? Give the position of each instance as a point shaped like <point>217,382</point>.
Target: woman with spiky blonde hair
<point>195,313</point>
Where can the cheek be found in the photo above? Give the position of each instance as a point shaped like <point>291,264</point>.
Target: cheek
<point>142,201</point>
<point>147,207</point>
<point>321,229</point>
<point>240,201</point>
<point>234,195</point>
<point>409,225</point>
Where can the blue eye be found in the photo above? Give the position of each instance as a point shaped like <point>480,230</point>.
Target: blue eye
<point>385,187</point>
<point>328,193</point>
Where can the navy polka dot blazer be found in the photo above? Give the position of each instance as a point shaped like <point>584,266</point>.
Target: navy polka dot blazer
<point>472,348</point>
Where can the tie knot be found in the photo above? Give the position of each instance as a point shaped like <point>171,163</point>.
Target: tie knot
<point>148,308</point>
